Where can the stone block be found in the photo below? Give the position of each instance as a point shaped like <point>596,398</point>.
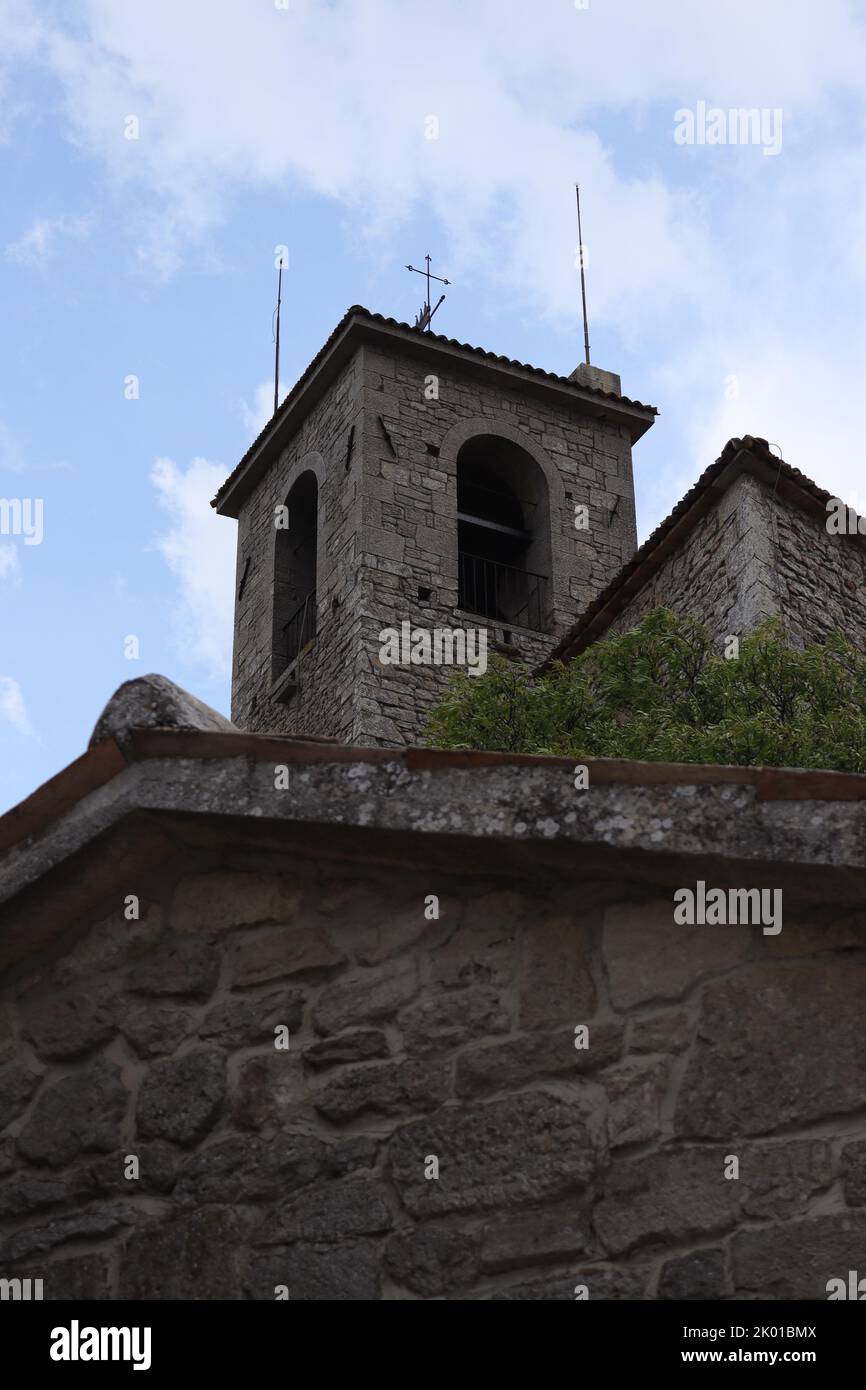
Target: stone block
<point>177,966</point>
<point>157,1171</point>
<point>666,1196</point>
<point>8,1044</point>
<point>796,1260</point>
<point>219,902</point>
<point>523,1149</point>
<point>438,1022</point>
<point>250,1020</point>
<point>766,1055</point>
<point>97,1224</point>
<point>698,1275</point>
<point>242,1168</point>
<point>668,1032</point>
<point>181,1098</point>
<point>482,950</point>
<point>600,1283</point>
<point>81,1113</point>
<point>269,1090</point>
<point>27,1192</point>
<point>777,1181</point>
<point>76,1280</point>
<point>852,1170</point>
<point>510,1064</point>
<point>650,956</point>
<point>196,1255</point>
<point>363,1045</point>
<point>556,984</point>
<point>432,1260</point>
<point>154,1029</point>
<point>385,1088</point>
<point>389,933</point>
<point>17,1084</point>
<point>334,1212</point>
<point>368,998</point>
<point>108,945</point>
<point>538,1237</point>
<point>288,951</point>
<point>349,1272</point>
<point>635,1090</point>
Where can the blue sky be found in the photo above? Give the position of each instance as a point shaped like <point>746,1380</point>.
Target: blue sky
<point>725,281</point>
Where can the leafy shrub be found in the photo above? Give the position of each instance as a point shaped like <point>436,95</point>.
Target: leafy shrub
<point>665,692</point>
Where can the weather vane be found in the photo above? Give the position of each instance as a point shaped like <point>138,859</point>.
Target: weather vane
<point>426,314</point>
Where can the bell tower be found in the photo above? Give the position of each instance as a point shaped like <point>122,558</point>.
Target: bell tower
<point>409,478</point>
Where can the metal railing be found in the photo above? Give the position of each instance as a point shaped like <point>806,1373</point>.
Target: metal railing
<point>503,592</point>
<point>300,629</point>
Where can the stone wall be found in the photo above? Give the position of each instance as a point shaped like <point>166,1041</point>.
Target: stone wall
<point>755,554</point>
<point>723,573</point>
<point>149,1047</point>
<point>821,577</point>
<point>325,704</point>
<point>388,538</point>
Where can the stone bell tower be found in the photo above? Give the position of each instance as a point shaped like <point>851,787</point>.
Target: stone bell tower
<point>409,478</point>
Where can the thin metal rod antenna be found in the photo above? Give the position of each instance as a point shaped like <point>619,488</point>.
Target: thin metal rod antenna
<point>277,354</point>
<point>582,278</point>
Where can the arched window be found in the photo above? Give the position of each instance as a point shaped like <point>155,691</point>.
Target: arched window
<point>294,621</point>
<point>503,533</point>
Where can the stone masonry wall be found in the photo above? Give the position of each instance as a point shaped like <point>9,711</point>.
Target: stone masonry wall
<point>821,577</point>
<point>756,554</point>
<point>326,703</point>
<point>149,1048</point>
<point>388,541</point>
<point>722,574</point>
<point>410,522</point>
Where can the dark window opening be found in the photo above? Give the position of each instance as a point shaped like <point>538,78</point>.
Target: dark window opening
<point>503,533</point>
<point>294,621</point>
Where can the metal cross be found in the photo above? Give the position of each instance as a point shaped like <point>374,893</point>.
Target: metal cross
<point>426,314</point>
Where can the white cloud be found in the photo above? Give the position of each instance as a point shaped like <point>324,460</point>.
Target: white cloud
<point>8,562</point>
<point>35,246</point>
<point>20,42</point>
<point>199,549</point>
<point>517,91</point>
<point>256,415</point>
<point>12,708</point>
<point>709,261</point>
<point>11,451</point>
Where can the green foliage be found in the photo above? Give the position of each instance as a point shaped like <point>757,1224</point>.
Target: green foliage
<point>664,692</point>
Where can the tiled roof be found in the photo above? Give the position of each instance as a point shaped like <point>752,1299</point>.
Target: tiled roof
<point>357,311</point>
<point>684,516</point>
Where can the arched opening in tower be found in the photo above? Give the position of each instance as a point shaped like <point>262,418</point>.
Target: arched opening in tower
<point>294,621</point>
<point>503,533</point>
